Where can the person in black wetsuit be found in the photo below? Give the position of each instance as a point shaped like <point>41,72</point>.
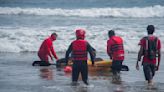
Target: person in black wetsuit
<point>79,49</point>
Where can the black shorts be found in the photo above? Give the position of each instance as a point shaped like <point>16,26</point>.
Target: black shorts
<point>116,66</point>
<point>149,70</point>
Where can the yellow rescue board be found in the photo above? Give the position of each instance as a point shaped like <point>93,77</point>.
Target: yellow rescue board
<point>98,62</point>
<point>101,63</point>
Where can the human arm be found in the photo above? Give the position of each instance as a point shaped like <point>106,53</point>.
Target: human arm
<point>159,54</point>
<point>53,53</point>
<point>47,45</point>
<point>69,50</point>
<point>159,59</point>
<point>49,50</point>
<point>92,52</point>
<point>108,50</point>
<point>140,53</point>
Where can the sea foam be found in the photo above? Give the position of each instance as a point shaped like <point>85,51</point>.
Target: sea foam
<point>27,39</point>
<point>150,11</point>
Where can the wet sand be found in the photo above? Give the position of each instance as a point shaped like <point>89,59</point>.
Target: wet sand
<point>18,75</point>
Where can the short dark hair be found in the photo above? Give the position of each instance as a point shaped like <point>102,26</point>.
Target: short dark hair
<point>111,33</point>
<point>54,34</point>
<point>150,29</point>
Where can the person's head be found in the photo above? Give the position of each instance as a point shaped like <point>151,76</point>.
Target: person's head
<point>80,33</point>
<point>53,36</point>
<point>111,33</point>
<point>150,29</point>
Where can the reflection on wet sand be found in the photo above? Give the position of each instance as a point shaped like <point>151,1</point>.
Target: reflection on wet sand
<point>46,73</point>
<point>100,72</point>
<point>101,79</point>
<point>80,89</point>
<point>95,73</point>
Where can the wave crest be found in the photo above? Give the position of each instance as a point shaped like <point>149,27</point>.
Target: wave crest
<point>152,11</point>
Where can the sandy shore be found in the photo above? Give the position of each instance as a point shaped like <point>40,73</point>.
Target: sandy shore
<point>17,75</point>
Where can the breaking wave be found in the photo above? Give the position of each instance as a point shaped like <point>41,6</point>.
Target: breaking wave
<point>151,11</point>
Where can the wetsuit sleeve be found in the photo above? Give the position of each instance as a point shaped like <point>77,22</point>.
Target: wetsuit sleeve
<point>69,50</point>
<point>108,49</point>
<point>53,52</point>
<point>91,52</point>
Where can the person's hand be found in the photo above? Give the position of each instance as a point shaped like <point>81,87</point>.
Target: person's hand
<point>52,59</point>
<point>137,66</point>
<point>157,68</point>
<point>55,62</point>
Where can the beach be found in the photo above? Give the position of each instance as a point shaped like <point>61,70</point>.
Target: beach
<point>24,24</point>
<point>18,75</point>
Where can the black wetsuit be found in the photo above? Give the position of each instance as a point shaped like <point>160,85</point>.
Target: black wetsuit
<point>80,66</point>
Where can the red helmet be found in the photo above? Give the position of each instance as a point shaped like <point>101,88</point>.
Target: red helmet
<point>80,33</point>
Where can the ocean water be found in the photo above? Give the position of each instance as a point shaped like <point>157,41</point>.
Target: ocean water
<point>18,75</point>
<point>26,23</point>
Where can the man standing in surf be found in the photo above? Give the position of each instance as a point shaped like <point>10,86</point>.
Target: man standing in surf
<point>47,50</point>
<point>79,50</point>
<point>115,51</point>
<point>150,49</point>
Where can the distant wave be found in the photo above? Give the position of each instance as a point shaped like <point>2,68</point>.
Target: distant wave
<point>151,11</point>
<point>24,39</point>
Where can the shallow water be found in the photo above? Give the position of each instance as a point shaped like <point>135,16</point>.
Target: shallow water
<point>17,75</point>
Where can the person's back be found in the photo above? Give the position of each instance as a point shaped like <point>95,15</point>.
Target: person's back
<point>115,51</point>
<point>150,45</point>
<point>150,50</point>
<point>45,47</point>
<point>115,44</point>
<point>79,49</point>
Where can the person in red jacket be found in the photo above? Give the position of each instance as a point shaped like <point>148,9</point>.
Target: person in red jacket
<point>150,49</point>
<point>47,50</point>
<point>79,49</point>
<point>115,51</point>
